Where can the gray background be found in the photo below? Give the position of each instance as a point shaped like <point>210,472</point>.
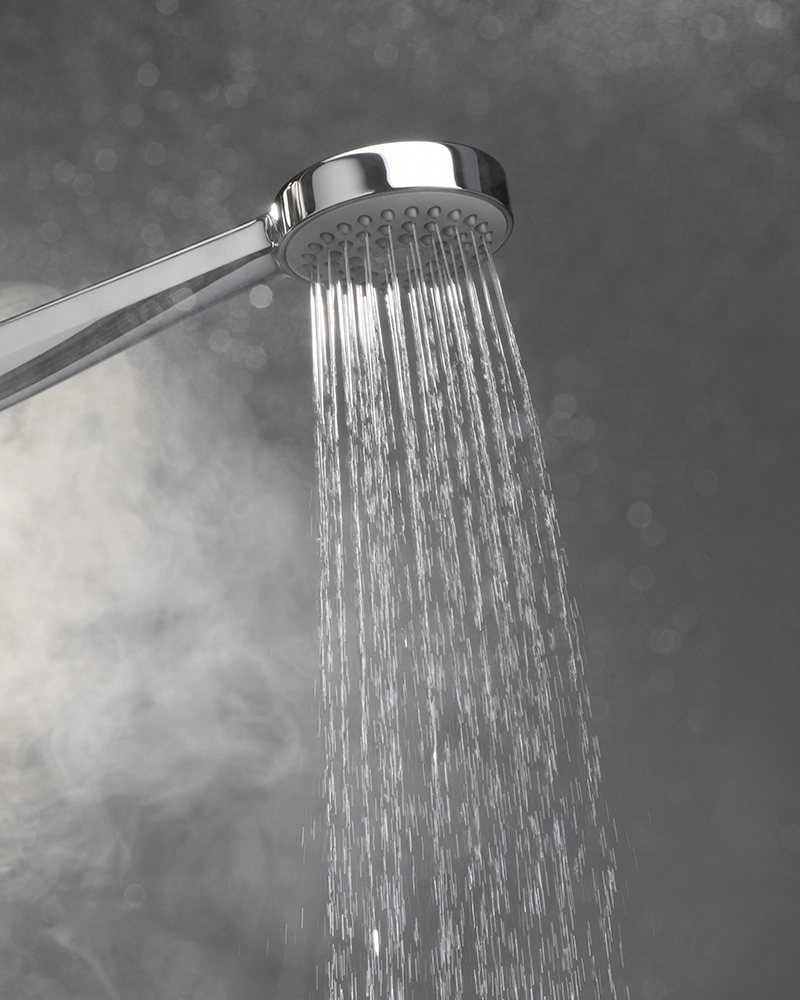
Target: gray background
<point>157,746</point>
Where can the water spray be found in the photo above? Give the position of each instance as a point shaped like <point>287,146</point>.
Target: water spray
<point>345,216</point>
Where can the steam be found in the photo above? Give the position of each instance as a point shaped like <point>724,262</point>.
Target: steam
<point>158,654</point>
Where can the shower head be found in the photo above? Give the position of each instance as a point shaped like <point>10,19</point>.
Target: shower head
<point>350,216</point>
<point>356,211</point>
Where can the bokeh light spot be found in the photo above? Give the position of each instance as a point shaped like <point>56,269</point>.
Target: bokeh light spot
<point>582,428</point>
<point>640,515</point>
<point>210,181</point>
<point>83,184</point>
<point>255,358</point>
<point>135,894</point>
<point>148,75</point>
<point>769,15</point>
<point>665,640</point>
<point>713,27</point>
<point>132,115</point>
<point>706,482</point>
<point>260,296</point>
<point>182,207</point>
<point>152,234</point>
<point>564,405</point>
<point>155,153</point>
<point>106,160</point>
<point>220,341</point>
<point>236,95</point>
<point>167,101</point>
<point>64,172</point>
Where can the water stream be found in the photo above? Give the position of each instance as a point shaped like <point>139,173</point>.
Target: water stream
<point>470,852</point>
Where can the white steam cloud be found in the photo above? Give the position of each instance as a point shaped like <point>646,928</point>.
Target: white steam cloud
<point>157,662</point>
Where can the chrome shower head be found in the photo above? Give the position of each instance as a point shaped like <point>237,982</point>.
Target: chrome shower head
<point>347,216</point>
<point>361,207</point>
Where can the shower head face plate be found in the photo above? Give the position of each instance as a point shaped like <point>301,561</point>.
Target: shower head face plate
<point>356,212</point>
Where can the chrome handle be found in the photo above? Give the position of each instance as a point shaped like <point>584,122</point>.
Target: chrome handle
<point>45,345</point>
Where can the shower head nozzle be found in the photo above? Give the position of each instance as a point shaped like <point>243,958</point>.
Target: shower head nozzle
<point>357,210</point>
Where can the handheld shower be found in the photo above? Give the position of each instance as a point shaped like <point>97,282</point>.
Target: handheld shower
<point>340,218</point>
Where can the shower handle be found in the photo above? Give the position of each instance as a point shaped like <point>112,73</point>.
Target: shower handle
<point>54,341</point>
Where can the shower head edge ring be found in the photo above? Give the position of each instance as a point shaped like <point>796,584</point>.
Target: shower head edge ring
<point>376,191</point>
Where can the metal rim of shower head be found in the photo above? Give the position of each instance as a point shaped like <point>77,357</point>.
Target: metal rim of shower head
<point>359,210</point>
